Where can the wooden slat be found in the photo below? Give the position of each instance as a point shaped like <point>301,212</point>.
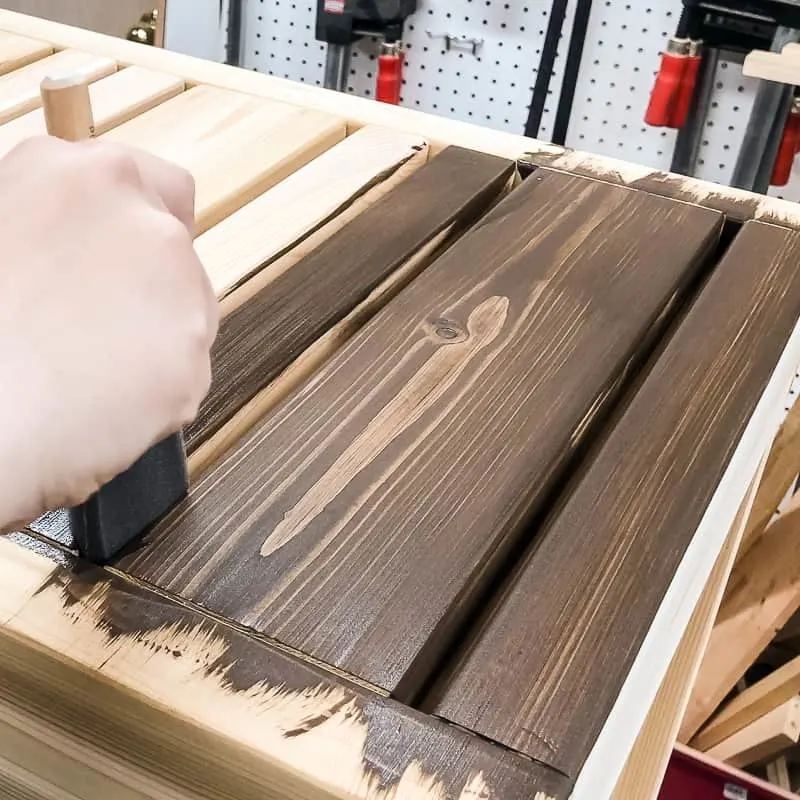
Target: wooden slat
<point>115,99</point>
<point>754,702</point>
<point>266,228</point>
<point>19,51</point>
<point>762,594</point>
<point>763,739</point>
<point>359,521</point>
<point>104,684</point>
<point>236,146</point>
<point>587,594</point>
<point>262,337</point>
<point>19,90</point>
<point>781,472</point>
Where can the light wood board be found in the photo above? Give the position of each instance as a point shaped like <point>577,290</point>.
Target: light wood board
<point>20,90</point>
<point>18,51</point>
<point>260,232</point>
<point>236,146</point>
<point>111,685</point>
<point>115,99</point>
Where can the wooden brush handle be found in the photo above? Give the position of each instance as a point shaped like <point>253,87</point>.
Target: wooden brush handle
<point>67,107</point>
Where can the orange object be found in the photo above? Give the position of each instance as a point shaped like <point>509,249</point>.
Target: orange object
<point>390,74</point>
<point>683,101</point>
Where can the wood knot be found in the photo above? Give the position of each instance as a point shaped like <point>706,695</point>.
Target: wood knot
<point>448,331</point>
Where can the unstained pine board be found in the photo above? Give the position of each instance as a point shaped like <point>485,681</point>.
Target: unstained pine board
<point>258,233</point>
<point>115,99</point>
<point>20,90</point>
<point>359,521</point>
<point>543,670</point>
<point>213,712</point>
<point>235,145</point>
<point>264,335</point>
<point>19,51</point>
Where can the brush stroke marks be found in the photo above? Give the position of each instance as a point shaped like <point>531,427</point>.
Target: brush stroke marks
<point>212,710</point>
<point>608,558</point>
<point>390,532</point>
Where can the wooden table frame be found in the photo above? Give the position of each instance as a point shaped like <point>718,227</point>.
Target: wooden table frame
<point>161,699</point>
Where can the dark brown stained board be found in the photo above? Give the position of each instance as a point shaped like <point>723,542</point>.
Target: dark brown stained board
<point>265,334</point>
<point>278,699</point>
<point>542,671</point>
<point>402,472</point>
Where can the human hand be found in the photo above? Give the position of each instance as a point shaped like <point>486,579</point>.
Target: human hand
<point>107,318</point>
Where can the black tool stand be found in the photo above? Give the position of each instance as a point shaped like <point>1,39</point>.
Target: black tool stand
<point>340,23</point>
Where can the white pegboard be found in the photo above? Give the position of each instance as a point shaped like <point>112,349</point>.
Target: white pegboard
<point>621,57</point>
<point>493,88</point>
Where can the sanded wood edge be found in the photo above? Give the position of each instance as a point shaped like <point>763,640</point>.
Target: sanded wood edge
<point>738,205</point>
<point>19,51</point>
<point>135,686</point>
<point>604,765</point>
<point>647,762</point>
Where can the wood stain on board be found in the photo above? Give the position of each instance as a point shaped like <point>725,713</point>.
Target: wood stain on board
<point>262,337</point>
<point>375,575</point>
<point>600,571</point>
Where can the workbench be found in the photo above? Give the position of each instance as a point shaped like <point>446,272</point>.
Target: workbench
<point>487,423</point>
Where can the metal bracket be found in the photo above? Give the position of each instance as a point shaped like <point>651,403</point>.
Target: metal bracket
<point>458,41</point>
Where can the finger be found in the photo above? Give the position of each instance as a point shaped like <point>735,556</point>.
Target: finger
<point>173,185</point>
<point>167,184</point>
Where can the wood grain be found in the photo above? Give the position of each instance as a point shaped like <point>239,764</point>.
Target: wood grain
<point>19,51</point>
<point>260,232</point>
<point>602,566</point>
<point>19,90</point>
<point>781,473</point>
<point>115,99</point>
<point>109,690</point>
<point>361,519</point>
<point>754,702</point>
<point>763,739</point>
<point>263,336</point>
<point>761,596</point>
<point>235,145</point>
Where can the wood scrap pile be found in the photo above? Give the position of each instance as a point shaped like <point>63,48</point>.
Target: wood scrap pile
<point>745,704</point>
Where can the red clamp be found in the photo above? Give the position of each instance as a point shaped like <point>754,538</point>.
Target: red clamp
<point>390,73</point>
<point>667,87</point>
<point>790,144</point>
<point>683,101</point>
